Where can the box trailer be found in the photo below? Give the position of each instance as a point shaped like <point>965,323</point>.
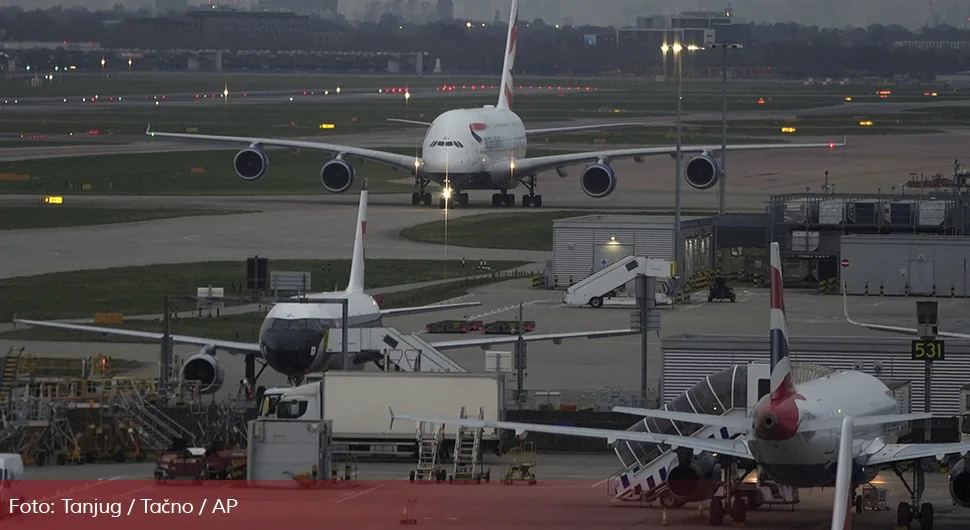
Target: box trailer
<point>359,405</point>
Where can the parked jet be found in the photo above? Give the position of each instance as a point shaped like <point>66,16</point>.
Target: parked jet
<point>839,430</point>
<point>482,149</point>
<point>293,336</point>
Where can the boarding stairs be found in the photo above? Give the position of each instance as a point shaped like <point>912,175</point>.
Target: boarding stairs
<point>11,368</point>
<point>600,286</point>
<point>645,482</point>
<point>156,429</point>
<point>429,435</point>
<point>468,442</point>
<point>393,350</point>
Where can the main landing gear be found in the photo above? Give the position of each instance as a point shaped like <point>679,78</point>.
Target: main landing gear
<point>531,199</point>
<point>907,512</point>
<point>422,196</point>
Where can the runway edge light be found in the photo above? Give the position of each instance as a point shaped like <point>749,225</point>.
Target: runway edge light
<point>53,200</point>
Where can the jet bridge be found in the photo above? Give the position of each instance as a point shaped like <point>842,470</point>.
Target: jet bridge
<point>733,391</point>
<point>601,285</point>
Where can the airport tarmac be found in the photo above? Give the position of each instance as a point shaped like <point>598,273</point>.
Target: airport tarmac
<point>571,492</point>
<point>280,231</point>
<point>581,368</point>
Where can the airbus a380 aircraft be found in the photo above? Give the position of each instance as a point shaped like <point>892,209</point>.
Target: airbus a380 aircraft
<point>293,336</point>
<point>792,435</point>
<point>481,149</point>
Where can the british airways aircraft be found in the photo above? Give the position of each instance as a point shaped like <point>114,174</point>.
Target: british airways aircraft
<point>482,149</point>
<point>838,430</point>
<point>293,335</point>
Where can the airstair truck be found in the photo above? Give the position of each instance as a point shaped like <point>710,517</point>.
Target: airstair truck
<point>600,285</point>
<point>358,403</point>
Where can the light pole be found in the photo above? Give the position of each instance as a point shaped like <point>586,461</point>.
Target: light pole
<point>677,48</point>
<point>721,190</point>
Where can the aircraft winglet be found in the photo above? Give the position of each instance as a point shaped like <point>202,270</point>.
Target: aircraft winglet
<point>148,130</point>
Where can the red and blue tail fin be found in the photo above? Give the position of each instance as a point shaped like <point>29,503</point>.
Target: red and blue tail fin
<point>782,386</point>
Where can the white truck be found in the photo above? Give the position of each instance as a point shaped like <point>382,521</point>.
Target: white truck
<point>359,405</point>
<point>601,285</point>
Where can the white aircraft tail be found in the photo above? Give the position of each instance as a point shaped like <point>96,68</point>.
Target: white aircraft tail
<point>505,92</point>
<point>356,282</point>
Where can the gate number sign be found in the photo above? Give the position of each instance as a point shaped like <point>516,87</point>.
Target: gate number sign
<point>928,350</point>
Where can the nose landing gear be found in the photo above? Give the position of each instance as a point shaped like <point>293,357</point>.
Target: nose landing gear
<point>462,200</point>
<point>503,199</point>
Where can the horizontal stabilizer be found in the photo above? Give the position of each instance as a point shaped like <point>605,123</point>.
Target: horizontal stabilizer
<point>426,308</point>
<point>891,453</point>
<point>737,423</point>
<point>410,122</point>
<point>862,421</point>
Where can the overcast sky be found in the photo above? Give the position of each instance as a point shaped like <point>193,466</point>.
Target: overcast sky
<point>910,13</point>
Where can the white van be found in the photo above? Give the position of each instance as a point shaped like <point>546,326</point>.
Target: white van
<point>11,480</point>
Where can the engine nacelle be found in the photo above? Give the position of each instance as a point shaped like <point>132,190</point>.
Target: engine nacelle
<point>598,180</point>
<point>702,172</point>
<point>960,483</point>
<point>337,175</point>
<point>694,480</point>
<point>204,369</point>
<point>251,163</point>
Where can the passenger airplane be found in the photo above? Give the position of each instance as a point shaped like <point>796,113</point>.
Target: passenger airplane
<point>792,435</point>
<point>293,335</point>
<point>481,149</point>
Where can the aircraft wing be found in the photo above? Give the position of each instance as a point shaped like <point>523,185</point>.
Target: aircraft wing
<point>578,128</point>
<point>425,308</point>
<point>390,159</point>
<point>736,448</point>
<point>891,453</point>
<point>542,163</point>
<point>226,345</point>
<point>531,337</point>
<point>892,329</point>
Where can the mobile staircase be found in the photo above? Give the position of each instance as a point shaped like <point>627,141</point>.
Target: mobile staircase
<point>468,453</point>
<point>730,392</point>
<point>430,436</point>
<point>392,350</point>
<point>155,428</point>
<point>8,380</point>
<point>602,284</point>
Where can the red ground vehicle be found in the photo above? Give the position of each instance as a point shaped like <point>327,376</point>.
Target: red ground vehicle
<point>198,464</point>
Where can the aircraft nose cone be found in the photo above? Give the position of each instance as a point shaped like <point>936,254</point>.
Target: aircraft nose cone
<point>290,352</point>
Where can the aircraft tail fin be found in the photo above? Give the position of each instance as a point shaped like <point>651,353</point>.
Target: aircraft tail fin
<point>505,92</point>
<point>782,385</point>
<point>356,282</point>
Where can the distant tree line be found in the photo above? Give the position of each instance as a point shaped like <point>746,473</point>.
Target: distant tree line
<point>780,50</point>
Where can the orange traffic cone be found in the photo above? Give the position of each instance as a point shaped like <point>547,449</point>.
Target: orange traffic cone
<point>663,518</point>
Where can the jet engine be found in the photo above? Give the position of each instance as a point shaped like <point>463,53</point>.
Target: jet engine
<point>702,172</point>
<point>251,163</point>
<point>203,368</point>
<point>960,483</point>
<point>598,180</point>
<point>337,175</point>
<point>693,480</point>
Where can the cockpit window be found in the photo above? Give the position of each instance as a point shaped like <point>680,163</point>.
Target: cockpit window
<point>459,145</point>
<point>449,144</point>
